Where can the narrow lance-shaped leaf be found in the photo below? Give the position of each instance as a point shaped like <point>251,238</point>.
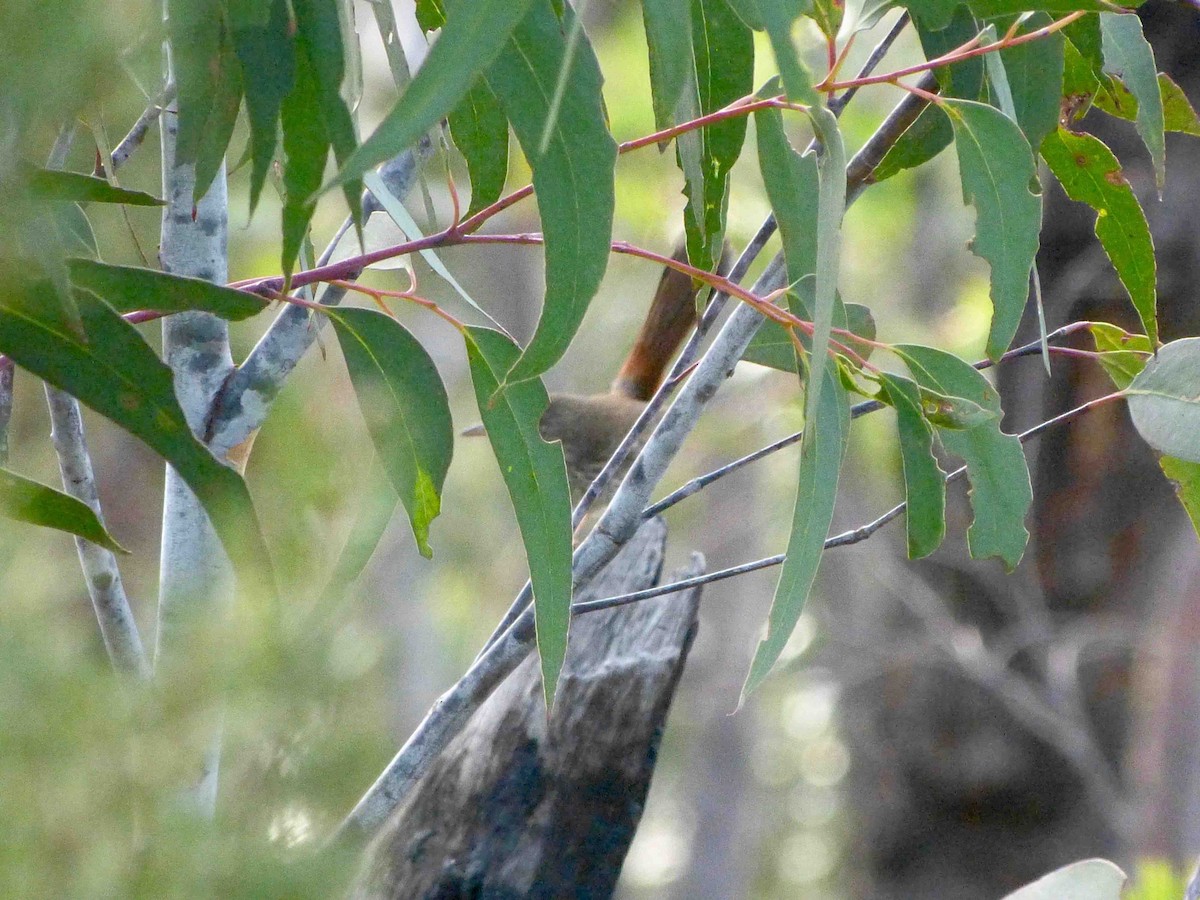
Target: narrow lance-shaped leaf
<point>118,375</point>
<point>473,34</point>
<point>480,132</point>
<point>668,26</point>
<point>1128,55</point>
<point>572,179</point>
<point>723,53</point>
<point>306,147</point>
<point>776,18</point>
<point>997,167</point>
<point>1091,174</point>
<point>217,128</point>
<point>924,480</point>
<point>1035,78</point>
<point>129,288</point>
<point>1185,476</point>
<point>1000,490</point>
<point>52,184</point>
<point>404,403</point>
<point>1164,400</point>
<point>535,474</point>
<point>29,501</point>
<point>821,452</point>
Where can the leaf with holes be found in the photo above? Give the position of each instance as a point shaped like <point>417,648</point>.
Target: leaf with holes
<point>1091,174</point>
<point>27,501</point>
<point>997,167</point>
<point>535,474</point>
<point>404,403</point>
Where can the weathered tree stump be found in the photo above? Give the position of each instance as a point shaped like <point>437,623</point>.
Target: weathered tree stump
<point>520,807</point>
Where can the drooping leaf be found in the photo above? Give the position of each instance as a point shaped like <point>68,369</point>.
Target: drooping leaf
<point>377,504</point>
<point>217,128</point>
<point>669,44</point>
<point>52,184</point>
<point>1035,77</point>
<point>29,501</point>
<point>195,33</point>
<point>404,403</point>
<point>480,131</point>
<point>772,347</point>
<point>389,34</point>
<point>116,373</point>
<point>723,52</point>
<point>1178,114</point>
<point>1091,879</point>
<point>1164,400</point>
<point>266,49</point>
<point>997,167</point>
<point>1185,477</point>
<point>306,147</point>
<point>1128,55</point>
<point>319,37</point>
<point>931,132</point>
<point>1084,35</point>
<point>821,452</point>
<point>535,474</point>
<point>1090,173</point>
<point>776,17</point>
<point>129,288</point>
<point>74,230</point>
<point>472,36</point>
<point>859,15</point>
<point>1080,85</point>
<point>1123,355</point>
<point>1000,488</point>
<point>924,481</point>
<point>572,179</point>
<point>935,13</point>
<point>828,16</point>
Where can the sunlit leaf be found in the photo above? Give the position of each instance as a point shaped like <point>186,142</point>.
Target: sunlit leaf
<point>473,35</point>
<point>266,49</point>
<point>1185,477</point>
<point>723,51</point>
<point>924,481</point>
<point>404,403</point>
<point>1091,879</point>
<point>1178,113</point>
<point>480,131</point>
<point>997,167</point>
<point>535,474</point>
<point>129,288</point>
<point>821,452</point>
<point>572,179</point>
<point>669,44</point>
<point>1129,56</point>
<point>1164,400</point>
<point>1000,490</point>
<point>118,375</point>
<point>1123,355</point>
<point>1090,173</point>
<point>51,184</point>
<point>859,15</point>
<point>33,503</point>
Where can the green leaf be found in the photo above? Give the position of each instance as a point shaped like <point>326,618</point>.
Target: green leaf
<point>859,15</point>
<point>1091,879</point>
<point>1164,400</point>
<point>1035,76</point>
<point>377,505</point>
<point>1000,488</point>
<point>472,37</point>
<point>723,52</point>
<point>572,180</point>
<point>1185,477</point>
<point>535,474</point>
<point>1123,355</point>
<point>1080,84</point>
<point>997,167</point>
<point>52,184</point>
<point>1178,114</point>
<point>935,13</point>
<point>74,230</point>
<point>195,33</point>
<point>266,49</point>
<point>217,127</point>
<point>828,16</point>
<point>306,147</point>
<point>669,44</point>
<point>117,374</point>
<point>776,18</point>
<point>1129,56</point>
<point>821,452</point>
<point>924,481</point>
<point>28,501</point>
<point>480,131</point>
<point>1090,173</point>
<point>404,403</point>
<point>931,132</point>
<point>129,288</point>
<point>319,36</point>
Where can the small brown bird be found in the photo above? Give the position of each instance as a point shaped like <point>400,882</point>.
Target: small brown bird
<point>592,426</point>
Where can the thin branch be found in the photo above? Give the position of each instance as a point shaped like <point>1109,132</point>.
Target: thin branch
<point>137,134</point>
<point>8,372</point>
<point>845,539</point>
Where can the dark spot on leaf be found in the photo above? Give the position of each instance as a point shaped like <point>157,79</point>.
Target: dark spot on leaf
<point>130,401</point>
<point>1080,160</point>
<point>1116,178</point>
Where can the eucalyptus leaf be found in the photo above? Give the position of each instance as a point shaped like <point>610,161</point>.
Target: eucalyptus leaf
<point>1128,55</point>
<point>1091,879</point>
<point>1164,400</point>
<point>129,288</point>
<point>53,184</point>
<point>924,480</point>
<point>1122,355</point>
<point>669,44</point>
<point>24,500</point>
